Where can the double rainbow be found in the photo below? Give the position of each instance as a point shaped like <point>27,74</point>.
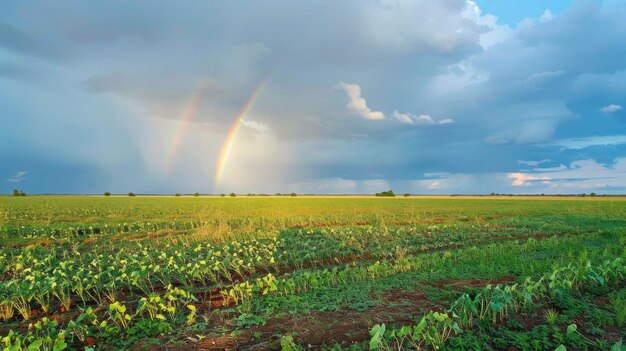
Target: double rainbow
<point>234,129</point>
<point>189,111</point>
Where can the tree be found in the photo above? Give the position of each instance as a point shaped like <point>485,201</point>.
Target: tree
<point>388,193</point>
<point>131,194</point>
<point>196,194</point>
<point>293,194</point>
<point>17,192</point>
<point>232,195</point>
<point>222,195</point>
<point>106,193</point>
<point>177,194</point>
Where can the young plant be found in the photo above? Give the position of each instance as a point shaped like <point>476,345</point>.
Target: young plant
<point>619,308</point>
<point>551,316</point>
<point>117,313</point>
<point>6,310</point>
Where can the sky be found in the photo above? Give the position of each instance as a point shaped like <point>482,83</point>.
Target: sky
<point>346,97</point>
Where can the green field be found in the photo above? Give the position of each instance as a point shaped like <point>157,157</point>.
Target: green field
<point>211,273</point>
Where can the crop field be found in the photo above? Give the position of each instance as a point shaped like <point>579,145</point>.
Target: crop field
<point>337,273</point>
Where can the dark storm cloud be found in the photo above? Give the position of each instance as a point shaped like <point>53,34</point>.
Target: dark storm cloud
<point>14,39</point>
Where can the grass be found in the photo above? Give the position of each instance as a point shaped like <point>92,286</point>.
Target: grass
<point>270,272</point>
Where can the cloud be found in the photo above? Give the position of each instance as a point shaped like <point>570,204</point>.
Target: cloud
<point>543,77</point>
<point>457,77</point>
<point>18,177</point>
<point>18,41</point>
<point>521,179</point>
<point>357,104</point>
<point>533,163</point>
<point>611,108</point>
<point>528,91</point>
<point>547,16</point>
<point>561,167</point>
<point>434,185</point>
<point>405,24</point>
<point>585,142</point>
<point>258,127</point>
<point>409,118</point>
<point>586,174</point>
<point>446,121</point>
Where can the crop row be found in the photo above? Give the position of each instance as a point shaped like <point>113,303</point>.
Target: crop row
<point>160,313</point>
<point>495,303</point>
<point>45,277</point>
<point>153,315</point>
<point>91,277</point>
<point>307,280</point>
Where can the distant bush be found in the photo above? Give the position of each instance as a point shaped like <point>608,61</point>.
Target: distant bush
<point>106,193</point>
<point>232,195</point>
<point>222,195</point>
<point>131,194</point>
<point>388,193</point>
<point>196,194</point>
<point>407,195</point>
<point>17,192</point>
<point>177,194</point>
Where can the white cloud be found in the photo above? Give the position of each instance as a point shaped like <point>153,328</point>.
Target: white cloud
<point>423,119</point>
<point>611,108</point>
<point>546,17</point>
<point>18,177</point>
<point>457,77</point>
<point>357,104</point>
<point>410,118</point>
<point>256,126</point>
<point>495,34</point>
<point>581,143</point>
<point>523,179</point>
<point>434,185</point>
<point>407,24</point>
<point>403,117</point>
<point>581,175</point>
<point>533,163</point>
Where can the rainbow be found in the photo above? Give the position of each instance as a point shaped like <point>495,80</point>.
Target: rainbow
<point>189,111</point>
<point>234,129</point>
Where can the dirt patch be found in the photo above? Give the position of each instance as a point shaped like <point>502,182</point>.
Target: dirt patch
<point>218,343</point>
<point>327,328</point>
<point>601,301</point>
<point>528,321</point>
<point>90,240</point>
<point>18,324</point>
